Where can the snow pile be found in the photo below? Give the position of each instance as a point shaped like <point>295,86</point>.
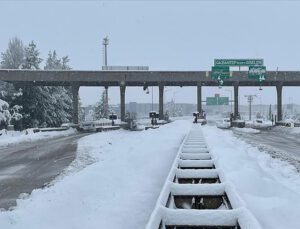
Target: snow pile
<point>269,189</point>
<point>14,137</point>
<point>246,130</point>
<point>118,189</point>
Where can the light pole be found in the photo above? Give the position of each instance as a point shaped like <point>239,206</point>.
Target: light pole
<point>105,44</point>
<point>250,100</point>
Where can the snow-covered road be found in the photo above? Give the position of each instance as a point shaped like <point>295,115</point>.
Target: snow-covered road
<point>114,183</point>
<point>269,187</point>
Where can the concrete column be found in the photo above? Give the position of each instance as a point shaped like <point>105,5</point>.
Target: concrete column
<point>122,102</point>
<point>161,102</point>
<point>236,100</point>
<point>279,102</point>
<point>75,90</point>
<point>199,98</point>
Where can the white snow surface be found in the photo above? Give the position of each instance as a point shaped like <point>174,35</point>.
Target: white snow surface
<point>246,130</point>
<point>114,183</point>
<point>14,137</point>
<point>269,187</point>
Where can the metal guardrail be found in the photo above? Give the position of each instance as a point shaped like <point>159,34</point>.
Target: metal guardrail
<point>125,68</point>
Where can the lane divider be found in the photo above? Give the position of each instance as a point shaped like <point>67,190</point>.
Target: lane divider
<point>195,194</point>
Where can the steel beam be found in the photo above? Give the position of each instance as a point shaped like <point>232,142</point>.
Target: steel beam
<point>75,90</point>
<point>122,102</point>
<point>279,102</point>
<point>139,78</point>
<point>161,102</point>
<point>236,100</point>
<point>199,98</point>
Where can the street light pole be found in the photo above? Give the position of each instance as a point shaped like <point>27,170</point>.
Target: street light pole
<point>250,100</point>
<point>105,44</point>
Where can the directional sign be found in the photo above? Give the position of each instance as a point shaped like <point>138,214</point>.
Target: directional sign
<point>217,101</point>
<point>257,72</point>
<point>238,62</point>
<point>220,72</point>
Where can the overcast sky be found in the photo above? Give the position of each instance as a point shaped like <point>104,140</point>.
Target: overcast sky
<point>168,35</point>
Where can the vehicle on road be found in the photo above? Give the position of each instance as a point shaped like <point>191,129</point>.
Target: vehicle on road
<point>260,124</point>
<point>224,124</point>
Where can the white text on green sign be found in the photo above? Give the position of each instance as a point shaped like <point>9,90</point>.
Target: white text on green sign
<point>238,62</point>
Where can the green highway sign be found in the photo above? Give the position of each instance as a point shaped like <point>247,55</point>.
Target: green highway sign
<point>238,62</point>
<point>220,72</point>
<point>257,72</point>
<point>210,101</point>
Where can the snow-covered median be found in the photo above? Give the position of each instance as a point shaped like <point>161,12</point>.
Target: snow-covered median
<point>269,187</point>
<point>114,183</point>
<point>13,137</point>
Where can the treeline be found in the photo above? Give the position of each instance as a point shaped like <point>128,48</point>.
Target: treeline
<point>33,106</point>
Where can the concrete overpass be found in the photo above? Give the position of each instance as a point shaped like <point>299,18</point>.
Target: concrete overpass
<point>122,79</point>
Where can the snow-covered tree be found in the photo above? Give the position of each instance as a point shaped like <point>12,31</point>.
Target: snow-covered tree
<point>32,57</point>
<point>13,57</point>
<point>61,97</point>
<point>102,110</point>
<point>173,110</point>
<point>81,111</point>
<point>4,114</point>
<point>32,106</point>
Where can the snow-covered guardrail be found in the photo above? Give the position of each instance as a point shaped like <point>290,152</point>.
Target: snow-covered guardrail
<point>196,193</point>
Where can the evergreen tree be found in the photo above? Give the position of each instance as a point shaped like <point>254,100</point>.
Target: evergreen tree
<point>81,112</point>
<point>32,57</point>
<point>13,57</point>
<point>101,109</point>
<point>60,109</point>
<point>4,114</point>
<point>34,99</point>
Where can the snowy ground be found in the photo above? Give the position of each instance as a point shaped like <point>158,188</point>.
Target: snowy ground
<point>114,183</point>
<point>117,177</point>
<point>14,137</point>
<point>269,187</point>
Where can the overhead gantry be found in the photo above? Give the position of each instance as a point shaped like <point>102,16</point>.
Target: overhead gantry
<point>160,79</point>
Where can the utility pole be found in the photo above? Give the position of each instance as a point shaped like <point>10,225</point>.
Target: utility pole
<point>250,100</point>
<point>105,44</point>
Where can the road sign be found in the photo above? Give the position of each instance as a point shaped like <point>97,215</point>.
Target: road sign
<point>257,72</point>
<point>238,62</point>
<point>217,101</point>
<point>220,72</point>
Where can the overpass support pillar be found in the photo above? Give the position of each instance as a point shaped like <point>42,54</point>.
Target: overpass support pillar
<point>161,102</point>
<point>236,100</point>
<point>199,98</point>
<point>75,90</point>
<point>122,102</point>
<point>279,102</point>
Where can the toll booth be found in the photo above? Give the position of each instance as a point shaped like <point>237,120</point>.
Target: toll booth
<point>154,116</point>
<point>200,117</point>
<point>113,117</point>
